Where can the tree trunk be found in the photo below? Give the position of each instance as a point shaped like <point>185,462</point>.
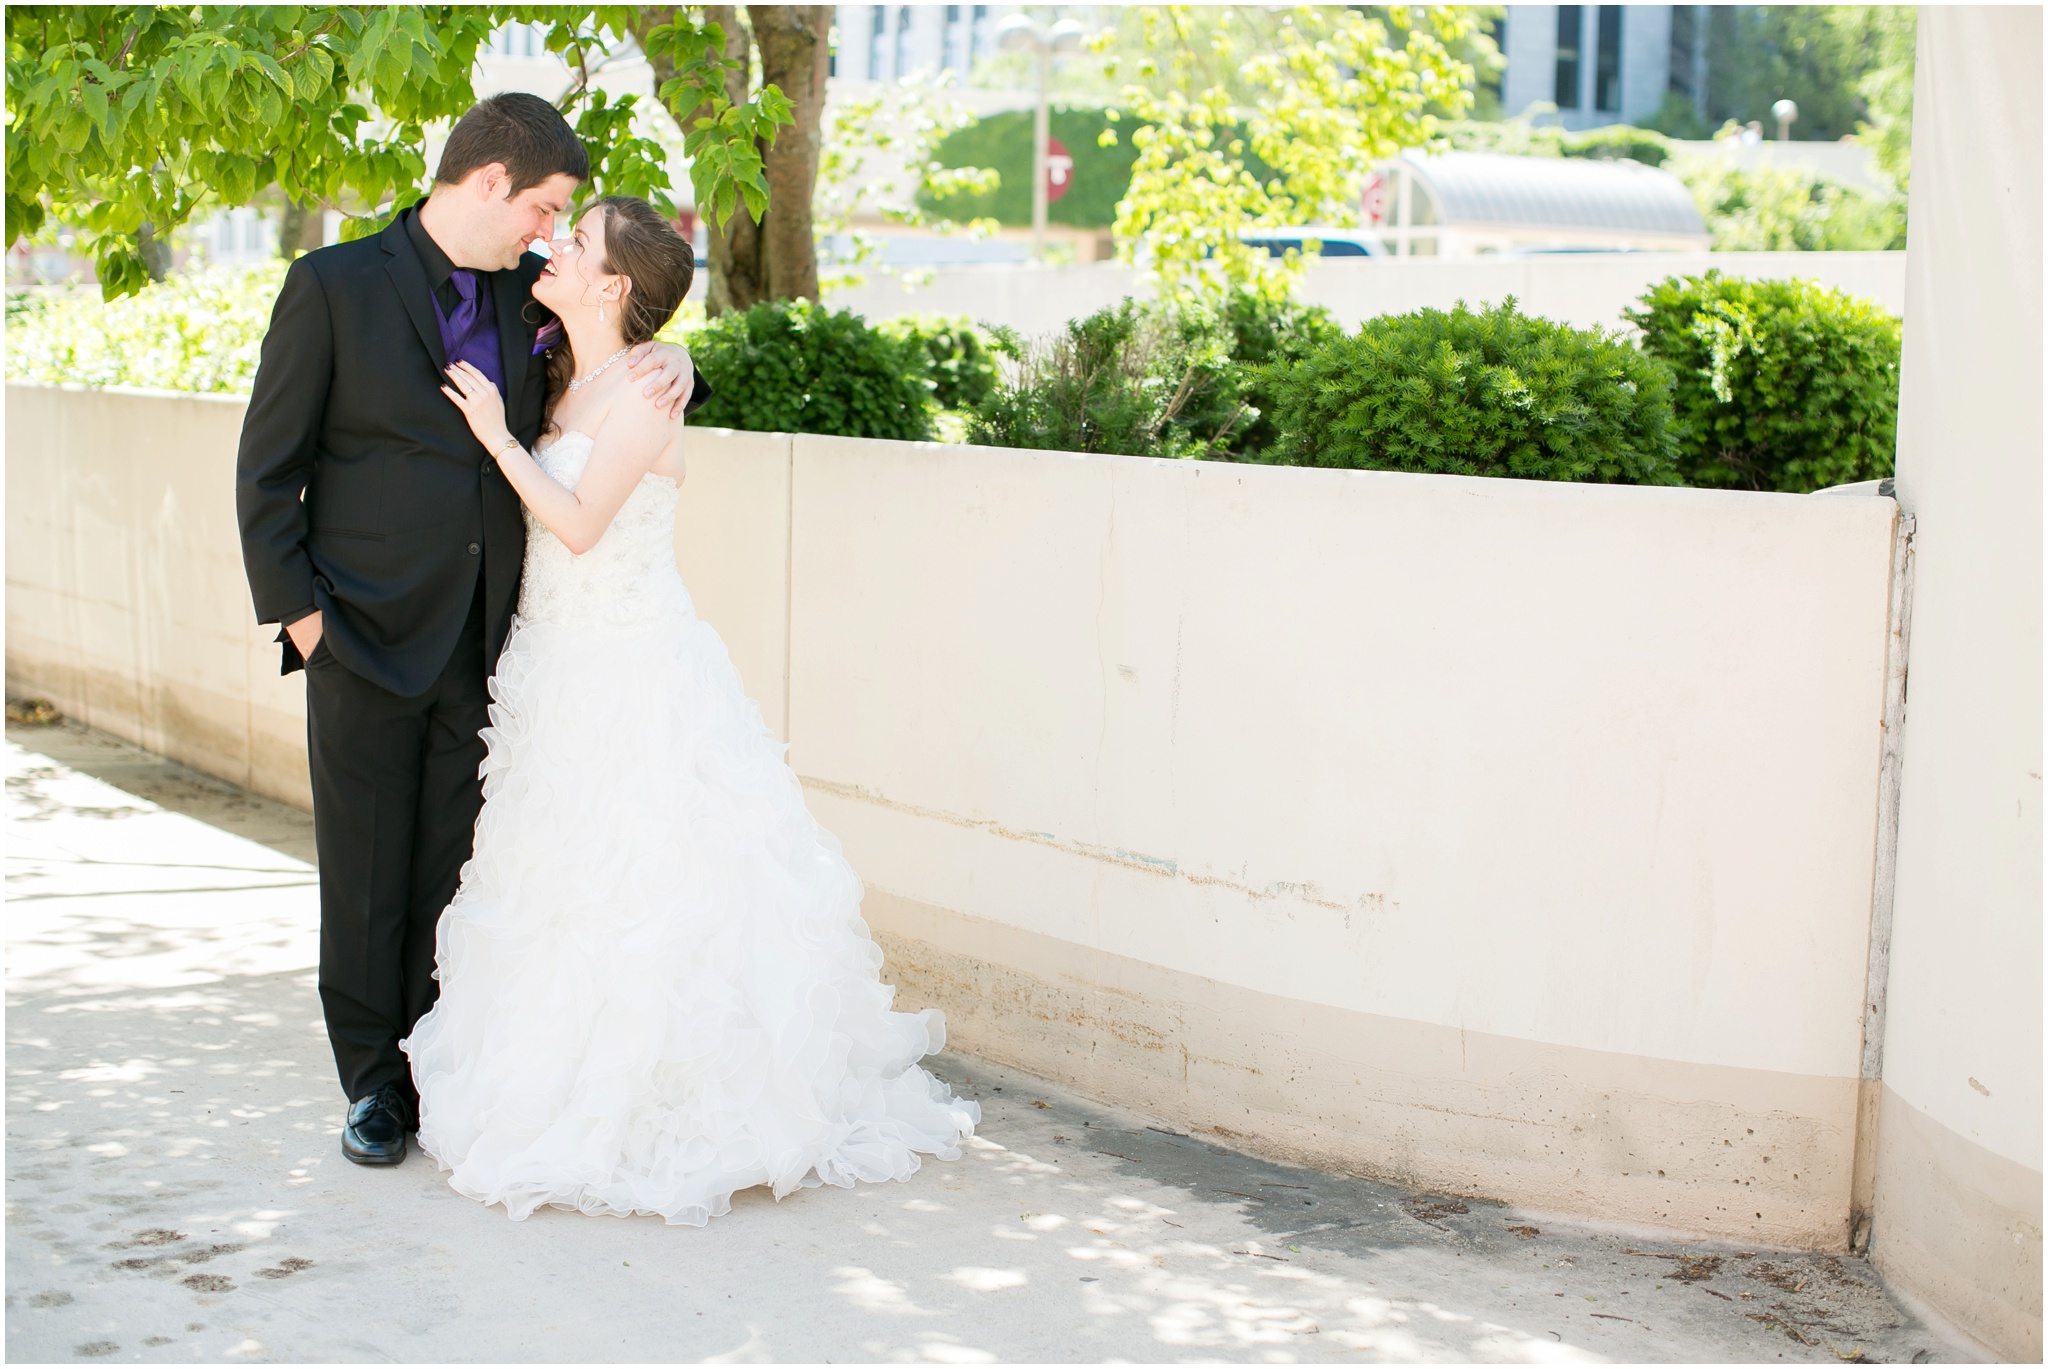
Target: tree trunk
<point>299,230</point>
<point>776,258</point>
<point>795,45</point>
<point>739,271</point>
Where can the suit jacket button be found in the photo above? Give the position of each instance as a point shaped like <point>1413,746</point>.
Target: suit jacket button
<point>475,550</point>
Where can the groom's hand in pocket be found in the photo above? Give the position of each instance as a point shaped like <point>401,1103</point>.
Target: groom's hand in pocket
<point>305,634</point>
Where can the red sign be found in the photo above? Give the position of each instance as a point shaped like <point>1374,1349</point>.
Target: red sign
<point>1373,201</point>
<point>1059,169</point>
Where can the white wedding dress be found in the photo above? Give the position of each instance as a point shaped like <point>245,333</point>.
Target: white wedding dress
<point>656,986</point>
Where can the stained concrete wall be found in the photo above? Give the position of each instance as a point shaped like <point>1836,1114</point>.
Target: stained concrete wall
<point>1511,838</point>
<point>1958,1180</point>
<point>127,604</point>
<point>1583,290</point>
<point>126,601</point>
<point>1515,838</point>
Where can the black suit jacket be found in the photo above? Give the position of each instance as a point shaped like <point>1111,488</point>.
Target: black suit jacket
<point>359,487</point>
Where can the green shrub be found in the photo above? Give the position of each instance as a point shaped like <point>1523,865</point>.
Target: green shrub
<point>1619,142</point>
<point>1264,339</point>
<point>1492,392</point>
<point>1120,380</point>
<point>1150,379</point>
<point>957,356</point>
<point>199,331</point>
<point>1780,385</point>
<point>793,366</point>
<point>1522,136</point>
<point>1788,209</point>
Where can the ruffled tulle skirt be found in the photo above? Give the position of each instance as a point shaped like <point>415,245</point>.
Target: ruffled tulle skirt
<point>656,987</point>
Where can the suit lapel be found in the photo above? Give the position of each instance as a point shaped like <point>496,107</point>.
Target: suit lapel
<point>509,292</point>
<point>403,266</point>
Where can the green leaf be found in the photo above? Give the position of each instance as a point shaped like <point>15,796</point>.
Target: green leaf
<point>316,64</point>
<point>278,77</point>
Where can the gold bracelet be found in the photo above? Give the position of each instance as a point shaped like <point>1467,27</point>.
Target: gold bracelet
<point>507,445</point>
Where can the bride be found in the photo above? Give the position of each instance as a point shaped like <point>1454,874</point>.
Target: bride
<point>656,987</point>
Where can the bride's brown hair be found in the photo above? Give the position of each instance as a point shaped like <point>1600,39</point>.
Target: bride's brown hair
<point>658,263</point>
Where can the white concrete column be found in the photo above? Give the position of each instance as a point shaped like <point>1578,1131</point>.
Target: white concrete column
<point>1958,1177</point>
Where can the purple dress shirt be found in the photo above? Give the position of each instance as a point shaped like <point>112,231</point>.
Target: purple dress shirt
<point>470,333</point>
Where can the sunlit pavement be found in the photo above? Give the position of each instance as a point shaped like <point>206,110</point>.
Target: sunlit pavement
<point>176,1191</point>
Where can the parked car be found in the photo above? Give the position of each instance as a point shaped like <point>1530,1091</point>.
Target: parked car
<point>1336,242</point>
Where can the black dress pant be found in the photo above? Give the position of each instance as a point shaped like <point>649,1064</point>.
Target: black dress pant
<point>395,801</point>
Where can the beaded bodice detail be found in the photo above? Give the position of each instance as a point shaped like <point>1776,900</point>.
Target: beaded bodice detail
<point>628,577</point>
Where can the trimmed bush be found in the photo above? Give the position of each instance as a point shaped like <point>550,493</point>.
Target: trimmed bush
<point>794,366</point>
<point>957,357</point>
<point>1492,392</point>
<point>1780,385</point>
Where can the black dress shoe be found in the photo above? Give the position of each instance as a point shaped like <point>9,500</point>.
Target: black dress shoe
<point>375,1134</point>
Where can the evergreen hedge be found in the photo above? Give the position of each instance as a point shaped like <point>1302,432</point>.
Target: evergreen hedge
<point>1487,392</point>
<point>1781,385</point>
<point>956,354</point>
<point>794,366</point>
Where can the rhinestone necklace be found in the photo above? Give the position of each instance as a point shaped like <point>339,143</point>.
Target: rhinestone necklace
<point>576,385</point>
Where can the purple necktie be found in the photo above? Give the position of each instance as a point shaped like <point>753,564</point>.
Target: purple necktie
<point>470,333</point>
<point>464,317</point>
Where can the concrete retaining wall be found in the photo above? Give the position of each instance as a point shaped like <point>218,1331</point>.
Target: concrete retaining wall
<point>126,600</point>
<point>1506,837</point>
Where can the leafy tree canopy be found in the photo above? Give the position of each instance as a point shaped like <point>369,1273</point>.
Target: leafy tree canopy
<point>1321,93</point>
<point>126,121</point>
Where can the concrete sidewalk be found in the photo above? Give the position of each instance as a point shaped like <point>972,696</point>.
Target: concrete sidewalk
<point>176,1192</point>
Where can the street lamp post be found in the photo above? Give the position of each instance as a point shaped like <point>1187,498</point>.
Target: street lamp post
<point>1022,33</point>
<point>1784,111</point>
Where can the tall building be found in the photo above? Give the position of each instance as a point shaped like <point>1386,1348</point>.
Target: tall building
<point>887,42</point>
<point>1603,64</point>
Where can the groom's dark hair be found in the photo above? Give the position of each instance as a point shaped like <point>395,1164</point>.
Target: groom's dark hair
<point>523,133</point>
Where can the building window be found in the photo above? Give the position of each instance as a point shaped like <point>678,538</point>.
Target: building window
<point>904,61</point>
<point>977,34</point>
<point>1498,29</point>
<point>1689,55</point>
<point>832,51</point>
<point>1570,23</point>
<point>878,47</point>
<point>949,49</point>
<point>1607,67</point>
<point>519,40</point>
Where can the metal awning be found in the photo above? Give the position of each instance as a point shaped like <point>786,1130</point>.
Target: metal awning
<point>1487,188</point>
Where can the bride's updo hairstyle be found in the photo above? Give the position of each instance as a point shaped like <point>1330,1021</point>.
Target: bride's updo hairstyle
<point>658,261</point>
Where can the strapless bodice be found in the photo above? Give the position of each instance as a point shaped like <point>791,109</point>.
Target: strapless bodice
<point>628,577</point>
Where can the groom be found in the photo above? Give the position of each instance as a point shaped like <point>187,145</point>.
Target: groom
<point>384,540</point>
